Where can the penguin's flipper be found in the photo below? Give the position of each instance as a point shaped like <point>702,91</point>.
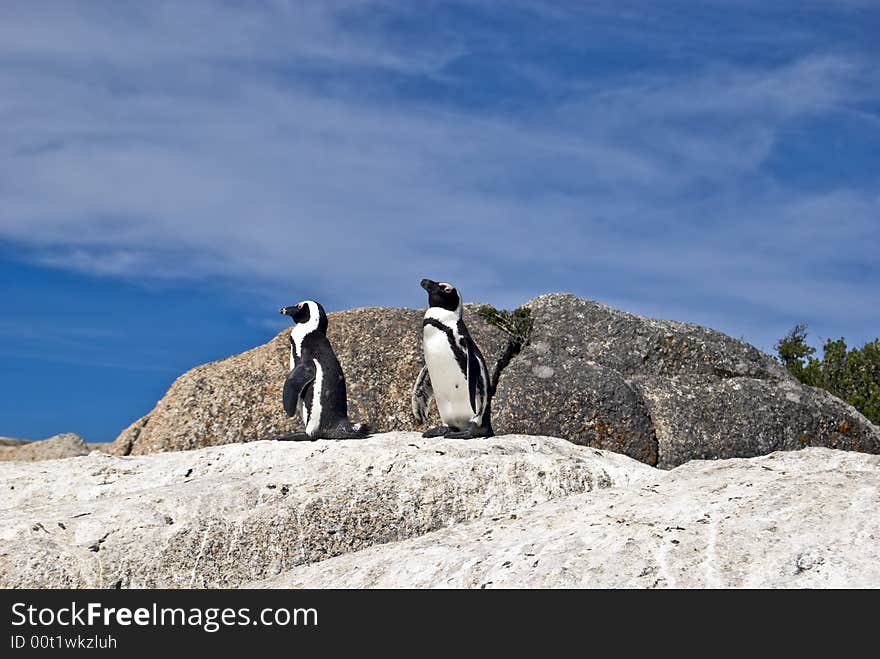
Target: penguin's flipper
<point>473,374</point>
<point>300,378</point>
<point>422,394</point>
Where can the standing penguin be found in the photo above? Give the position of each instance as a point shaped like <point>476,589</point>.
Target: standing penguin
<point>316,384</point>
<point>455,372</point>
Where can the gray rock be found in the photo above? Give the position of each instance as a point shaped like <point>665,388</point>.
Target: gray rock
<point>567,327</point>
<point>102,447</point>
<point>65,445</point>
<point>227,515</point>
<point>662,392</point>
<point>801,519</point>
<point>699,417</point>
<point>583,402</point>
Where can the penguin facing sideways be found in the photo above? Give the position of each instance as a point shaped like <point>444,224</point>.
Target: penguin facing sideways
<point>316,384</point>
<point>455,372</point>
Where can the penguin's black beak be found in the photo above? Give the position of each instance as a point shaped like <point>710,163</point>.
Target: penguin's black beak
<point>287,311</point>
<point>429,285</point>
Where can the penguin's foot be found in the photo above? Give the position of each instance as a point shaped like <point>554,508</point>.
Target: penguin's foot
<point>295,437</point>
<point>340,433</point>
<point>473,431</point>
<point>347,430</point>
<point>365,429</point>
<point>439,431</point>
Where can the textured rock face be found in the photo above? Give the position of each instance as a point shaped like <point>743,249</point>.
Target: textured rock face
<point>571,327</point>
<point>699,417</point>
<point>66,445</point>
<point>662,392</point>
<point>239,398</point>
<point>574,398</point>
<point>227,515</point>
<point>804,519</point>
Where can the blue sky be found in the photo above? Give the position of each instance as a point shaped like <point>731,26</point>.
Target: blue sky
<point>171,173</point>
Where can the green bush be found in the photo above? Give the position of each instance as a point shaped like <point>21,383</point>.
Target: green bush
<point>517,324</point>
<point>852,375</point>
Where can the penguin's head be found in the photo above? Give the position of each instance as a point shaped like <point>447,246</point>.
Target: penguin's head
<point>307,312</point>
<point>441,294</point>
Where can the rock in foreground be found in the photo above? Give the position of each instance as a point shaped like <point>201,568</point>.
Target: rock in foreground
<point>228,515</point>
<point>802,519</point>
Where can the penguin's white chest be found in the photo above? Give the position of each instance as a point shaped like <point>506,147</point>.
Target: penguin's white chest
<point>449,383</point>
<point>312,418</point>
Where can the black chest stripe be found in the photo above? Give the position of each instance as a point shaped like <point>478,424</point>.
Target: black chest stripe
<point>460,355</point>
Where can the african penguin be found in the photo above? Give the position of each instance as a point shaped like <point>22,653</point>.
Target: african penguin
<point>455,372</point>
<point>316,384</point>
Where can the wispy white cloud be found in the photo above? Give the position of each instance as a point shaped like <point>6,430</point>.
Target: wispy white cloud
<point>270,144</point>
<point>167,32</point>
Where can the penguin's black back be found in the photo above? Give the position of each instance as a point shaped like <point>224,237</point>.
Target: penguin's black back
<point>334,402</point>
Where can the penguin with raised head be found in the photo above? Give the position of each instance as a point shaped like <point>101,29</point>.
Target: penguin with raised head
<point>455,372</point>
<point>316,384</point>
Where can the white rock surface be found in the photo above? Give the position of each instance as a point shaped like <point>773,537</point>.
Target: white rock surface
<point>800,519</point>
<point>227,515</point>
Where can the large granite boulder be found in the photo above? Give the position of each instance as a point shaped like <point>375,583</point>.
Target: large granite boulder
<point>800,519</point>
<point>575,398</point>
<point>700,417</point>
<point>239,398</point>
<point>395,510</point>
<point>227,515</point>
<point>65,445</point>
<point>661,391</point>
<point>571,327</point>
